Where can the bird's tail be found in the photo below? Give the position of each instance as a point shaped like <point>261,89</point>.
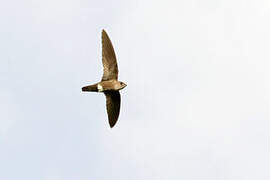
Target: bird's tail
<point>90,88</point>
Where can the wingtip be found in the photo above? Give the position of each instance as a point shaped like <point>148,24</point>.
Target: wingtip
<point>112,125</point>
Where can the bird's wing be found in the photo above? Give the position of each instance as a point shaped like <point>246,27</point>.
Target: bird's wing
<point>110,69</point>
<point>113,101</point>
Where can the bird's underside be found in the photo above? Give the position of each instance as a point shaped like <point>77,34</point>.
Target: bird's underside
<point>109,84</point>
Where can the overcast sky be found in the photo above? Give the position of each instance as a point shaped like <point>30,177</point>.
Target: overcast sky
<point>196,105</point>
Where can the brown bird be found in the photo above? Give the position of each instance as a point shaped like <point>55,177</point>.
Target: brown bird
<point>109,83</point>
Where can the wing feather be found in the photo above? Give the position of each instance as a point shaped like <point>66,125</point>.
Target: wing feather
<point>110,69</point>
<point>113,101</point>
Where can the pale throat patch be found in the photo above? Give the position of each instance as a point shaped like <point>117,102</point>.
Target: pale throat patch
<point>100,88</point>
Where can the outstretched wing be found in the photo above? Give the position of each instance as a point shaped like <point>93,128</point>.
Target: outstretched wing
<point>113,101</point>
<point>110,69</point>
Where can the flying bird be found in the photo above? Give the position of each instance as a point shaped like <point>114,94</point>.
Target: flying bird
<point>109,84</point>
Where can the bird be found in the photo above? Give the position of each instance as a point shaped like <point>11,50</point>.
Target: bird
<point>109,84</point>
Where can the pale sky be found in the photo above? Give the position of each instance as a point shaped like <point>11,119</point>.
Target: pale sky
<point>196,105</point>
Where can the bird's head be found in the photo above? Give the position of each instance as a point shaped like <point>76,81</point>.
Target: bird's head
<point>122,85</point>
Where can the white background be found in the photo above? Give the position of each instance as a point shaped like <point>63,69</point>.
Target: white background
<point>196,105</point>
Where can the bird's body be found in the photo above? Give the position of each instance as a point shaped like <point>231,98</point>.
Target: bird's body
<point>109,84</point>
<point>102,86</point>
